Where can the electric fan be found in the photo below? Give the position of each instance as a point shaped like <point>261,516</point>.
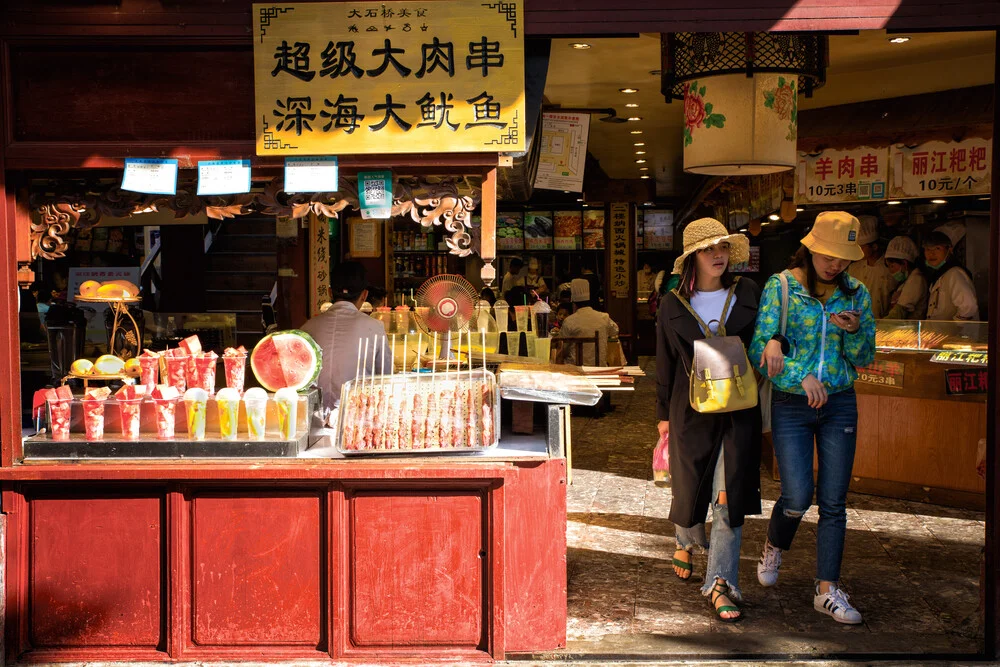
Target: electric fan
<point>445,303</point>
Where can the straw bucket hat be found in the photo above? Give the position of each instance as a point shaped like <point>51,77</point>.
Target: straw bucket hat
<point>707,232</point>
<point>835,234</point>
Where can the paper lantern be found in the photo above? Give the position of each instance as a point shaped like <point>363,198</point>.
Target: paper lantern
<point>736,125</point>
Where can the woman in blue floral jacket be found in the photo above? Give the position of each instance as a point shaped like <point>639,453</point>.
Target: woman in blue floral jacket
<point>830,333</point>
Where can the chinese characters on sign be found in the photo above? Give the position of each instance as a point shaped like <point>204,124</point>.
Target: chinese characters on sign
<point>392,77</point>
<point>564,151</point>
<point>151,176</point>
<point>312,174</point>
<point>319,262</point>
<point>839,176</point>
<point>939,168</point>
<point>223,177</point>
<point>375,194</point>
<point>658,230</point>
<point>884,373</point>
<point>966,381</point>
<point>961,358</point>
<point>621,251</point>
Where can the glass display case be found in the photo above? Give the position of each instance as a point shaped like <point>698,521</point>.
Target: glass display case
<point>930,336</point>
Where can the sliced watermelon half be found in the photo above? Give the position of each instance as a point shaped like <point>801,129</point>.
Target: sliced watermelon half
<point>289,359</point>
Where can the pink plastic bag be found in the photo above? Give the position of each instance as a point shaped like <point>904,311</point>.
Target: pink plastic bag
<point>661,462</point>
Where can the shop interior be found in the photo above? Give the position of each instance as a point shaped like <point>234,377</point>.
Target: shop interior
<point>919,433</point>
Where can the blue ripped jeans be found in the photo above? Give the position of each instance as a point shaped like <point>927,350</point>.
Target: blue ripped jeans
<point>724,553</point>
<point>794,428</point>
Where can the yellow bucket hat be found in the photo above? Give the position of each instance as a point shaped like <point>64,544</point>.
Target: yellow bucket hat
<point>835,234</point>
<point>707,232</point>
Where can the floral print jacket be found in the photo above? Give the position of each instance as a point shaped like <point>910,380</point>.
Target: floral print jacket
<point>817,346</point>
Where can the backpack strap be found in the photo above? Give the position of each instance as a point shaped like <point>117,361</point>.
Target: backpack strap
<point>783,279</point>
<point>701,323</point>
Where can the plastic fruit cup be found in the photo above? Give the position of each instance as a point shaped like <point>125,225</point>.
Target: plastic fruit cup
<point>256,417</point>
<point>287,403</point>
<point>543,348</point>
<point>513,343</point>
<point>521,314</point>
<point>501,315</point>
<point>93,420</point>
<point>236,371</point>
<point>130,411</point>
<point>196,412</point>
<point>177,372</point>
<point>201,373</point>
<point>59,415</point>
<point>229,412</point>
<point>149,372</point>
<point>165,414</point>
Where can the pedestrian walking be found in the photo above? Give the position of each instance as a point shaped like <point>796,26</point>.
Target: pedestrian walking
<point>714,457</point>
<point>830,332</point>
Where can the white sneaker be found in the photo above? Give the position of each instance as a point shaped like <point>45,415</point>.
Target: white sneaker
<point>836,604</point>
<point>767,566</point>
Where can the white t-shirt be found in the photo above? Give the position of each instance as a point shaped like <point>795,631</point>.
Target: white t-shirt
<point>709,305</point>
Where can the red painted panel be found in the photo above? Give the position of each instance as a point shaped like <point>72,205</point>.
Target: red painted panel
<point>535,559</point>
<point>419,569</point>
<point>255,569</point>
<point>132,93</point>
<point>95,572</point>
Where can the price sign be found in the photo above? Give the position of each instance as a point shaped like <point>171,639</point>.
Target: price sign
<point>151,176</point>
<point>223,177</point>
<point>311,174</point>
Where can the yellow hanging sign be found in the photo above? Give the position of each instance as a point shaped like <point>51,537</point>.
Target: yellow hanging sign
<point>344,78</point>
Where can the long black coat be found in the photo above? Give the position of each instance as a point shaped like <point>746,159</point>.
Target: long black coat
<point>695,437</point>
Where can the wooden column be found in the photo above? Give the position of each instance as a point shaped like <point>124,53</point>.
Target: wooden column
<point>10,358</point>
<point>992,593</point>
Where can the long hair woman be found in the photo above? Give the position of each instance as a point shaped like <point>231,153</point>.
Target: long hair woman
<point>830,333</point>
<point>714,458</point>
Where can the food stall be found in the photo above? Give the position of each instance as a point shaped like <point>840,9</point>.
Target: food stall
<point>922,412</point>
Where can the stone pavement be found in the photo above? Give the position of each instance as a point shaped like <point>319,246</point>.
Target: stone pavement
<point>912,569</point>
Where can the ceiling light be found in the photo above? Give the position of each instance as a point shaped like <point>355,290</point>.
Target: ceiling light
<point>640,161</point>
<point>900,39</point>
<point>764,224</point>
<point>894,202</point>
<point>632,105</point>
<point>640,152</point>
<point>636,132</point>
<point>639,143</point>
<point>656,72</point>
<point>743,229</point>
<point>939,201</point>
<point>635,118</point>
<point>774,217</point>
<point>579,198</point>
<point>649,203</point>
<point>799,210</point>
<point>645,176</point>
<point>643,168</point>
<point>984,199</point>
<point>628,91</point>
<point>586,205</point>
<point>579,45</point>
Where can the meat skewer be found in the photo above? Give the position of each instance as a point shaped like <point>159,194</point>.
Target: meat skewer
<point>431,437</point>
<point>487,403</point>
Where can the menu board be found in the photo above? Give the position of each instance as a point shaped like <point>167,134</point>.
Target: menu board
<point>538,230</point>
<point>593,229</point>
<point>658,230</point>
<point>568,230</point>
<point>510,231</point>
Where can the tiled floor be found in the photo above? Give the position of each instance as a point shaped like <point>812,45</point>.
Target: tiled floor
<point>911,569</point>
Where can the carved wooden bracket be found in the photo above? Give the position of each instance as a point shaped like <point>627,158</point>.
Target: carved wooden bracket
<point>431,202</point>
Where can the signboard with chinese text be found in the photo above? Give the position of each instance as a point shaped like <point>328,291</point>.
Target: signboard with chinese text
<point>538,230</point>
<point>151,176</point>
<point>960,381</point>
<point>96,331</point>
<point>658,230</point>
<point>223,177</point>
<point>319,263</point>
<point>311,174</point>
<point>365,239</point>
<point>752,265</point>
<point>389,77</point>
<point>883,373</point>
<point>510,231</point>
<point>961,358</point>
<point>831,176</point>
<point>621,251</point>
<point>593,229</point>
<point>568,227</point>
<point>941,168</point>
<point>564,151</point>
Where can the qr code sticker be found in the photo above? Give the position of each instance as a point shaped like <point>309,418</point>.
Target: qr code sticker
<point>864,190</point>
<point>375,192</point>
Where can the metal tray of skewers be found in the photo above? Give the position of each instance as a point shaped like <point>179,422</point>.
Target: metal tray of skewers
<point>419,413</point>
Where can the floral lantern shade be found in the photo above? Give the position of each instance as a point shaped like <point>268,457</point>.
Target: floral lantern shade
<point>734,125</point>
<point>740,93</point>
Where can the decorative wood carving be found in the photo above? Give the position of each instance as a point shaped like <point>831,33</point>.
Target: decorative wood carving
<point>430,202</point>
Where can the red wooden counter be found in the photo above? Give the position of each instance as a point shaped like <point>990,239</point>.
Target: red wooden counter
<point>372,559</point>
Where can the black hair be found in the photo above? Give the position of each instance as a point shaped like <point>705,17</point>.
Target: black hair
<point>487,295</point>
<point>516,296</point>
<point>583,304</point>
<point>803,259</point>
<point>689,276</point>
<point>515,263</point>
<point>568,307</point>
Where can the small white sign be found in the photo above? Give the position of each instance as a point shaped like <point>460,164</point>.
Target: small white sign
<point>223,177</point>
<point>151,176</point>
<point>311,174</point>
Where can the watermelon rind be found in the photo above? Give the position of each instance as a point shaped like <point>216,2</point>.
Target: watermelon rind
<point>265,375</point>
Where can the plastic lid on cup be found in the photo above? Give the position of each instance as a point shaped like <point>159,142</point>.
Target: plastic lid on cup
<point>255,394</point>
<point>541,307</point>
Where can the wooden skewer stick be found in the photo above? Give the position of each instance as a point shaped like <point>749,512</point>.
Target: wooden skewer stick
<point>357,369</point>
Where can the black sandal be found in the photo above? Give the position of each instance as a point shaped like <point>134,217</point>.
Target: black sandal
<point>684,565</point>
<point>719,590</point>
